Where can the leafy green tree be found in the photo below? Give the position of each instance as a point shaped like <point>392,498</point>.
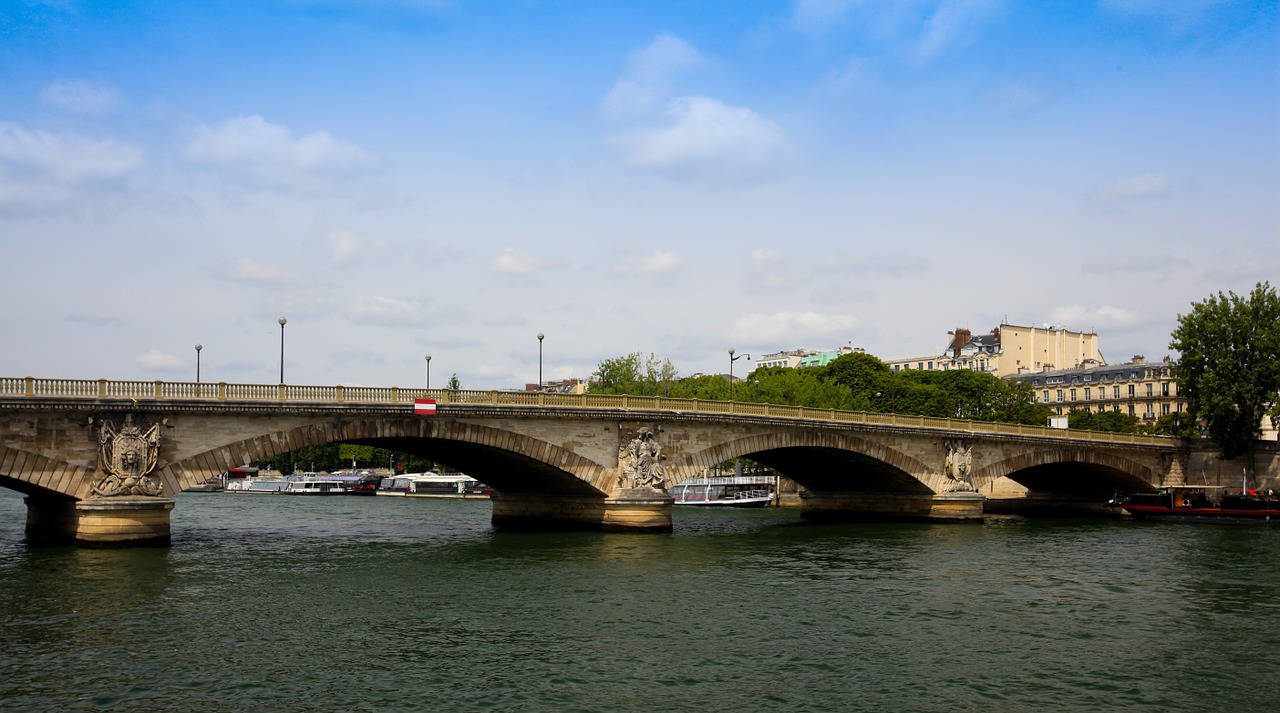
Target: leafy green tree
<point>1112,421</point>
<point>1229,368</point>
<point>634,374</point>
<point>1178,425</point>
<point>863,374</point>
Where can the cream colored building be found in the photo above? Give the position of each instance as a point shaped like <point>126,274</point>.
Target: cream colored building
<point>1008,350</point>
<point>1137,388</point>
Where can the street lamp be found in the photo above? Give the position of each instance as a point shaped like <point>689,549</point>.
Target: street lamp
<point>282,321</point>
<point>732,359</point>
<point>540,336</point>
<point>198,348</point>
<point>428,372</point>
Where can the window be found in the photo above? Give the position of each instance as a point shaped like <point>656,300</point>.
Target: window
<point>1164,389</point>
<point>1073,394</point>
<point>1115,392</point>
<point>1059,395</point>
<point>1088,394</point>
<point>1131,413</point>
<point>1149,389</point>
<point>1046,396</point>
<point>1164,409</point>
<point>1130,393</point>
<point>930,366</point>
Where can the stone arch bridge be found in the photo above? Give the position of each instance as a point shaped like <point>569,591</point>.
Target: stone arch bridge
<point>100,461</point>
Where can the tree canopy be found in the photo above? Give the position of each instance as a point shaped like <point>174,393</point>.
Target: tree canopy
<point>1229,365</point>
<point>855,382</point>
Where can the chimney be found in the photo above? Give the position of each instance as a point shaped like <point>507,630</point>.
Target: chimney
<point>962,338</point>
<point>1139,359</point>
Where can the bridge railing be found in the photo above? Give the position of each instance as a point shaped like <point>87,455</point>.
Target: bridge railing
<point>30,387</point>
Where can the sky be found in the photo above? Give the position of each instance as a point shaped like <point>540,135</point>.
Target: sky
<point>400,178</point>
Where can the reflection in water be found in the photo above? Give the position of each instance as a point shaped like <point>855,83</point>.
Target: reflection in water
<point>274,603</point>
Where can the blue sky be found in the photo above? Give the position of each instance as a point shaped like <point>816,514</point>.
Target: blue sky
<point>451,178</point>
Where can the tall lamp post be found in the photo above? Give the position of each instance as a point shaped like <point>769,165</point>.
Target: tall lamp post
<point>198,348</point>
<point>428,372</point>
<point>540,336</point>
<point>282,321</point>
<point>732,359</point>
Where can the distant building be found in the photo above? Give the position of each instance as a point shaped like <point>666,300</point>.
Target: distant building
<point>1008,350</point>
<point>567,386</point>
<point>1136,388</point>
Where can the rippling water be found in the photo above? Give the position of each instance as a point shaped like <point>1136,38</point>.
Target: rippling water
<point>273,603</point>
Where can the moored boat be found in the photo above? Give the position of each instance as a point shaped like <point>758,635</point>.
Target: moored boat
<point>213,485</point>
<point>434,485</point>
<point>1201,503</point>
<point>739,491</point>
<point>315,486</point>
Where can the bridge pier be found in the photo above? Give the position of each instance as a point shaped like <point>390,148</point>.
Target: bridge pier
<point>891,507</point>
<point>635,510</point>
<point>106,522</point>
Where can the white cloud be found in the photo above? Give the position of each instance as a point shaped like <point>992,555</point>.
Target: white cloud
<point>81,96</point>
<point>770,270</point>
<point>347,248</point>
<point>271,155</point>
<point>1078,317</point>
<point>792,327</point>
<point>66,159</point>
<point>954,22</point>
<point>246,270</point>
<point>43,172</point>
<point>1131,188</point>
<point>707,141</point>
<point>650,74</point>
<point>155,360</point>
<point>514,263</point>
<point>659,261</point>
<point>386,312</point>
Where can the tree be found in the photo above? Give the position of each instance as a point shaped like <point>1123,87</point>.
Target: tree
<point>1229,366</point>
<point>635,375</point>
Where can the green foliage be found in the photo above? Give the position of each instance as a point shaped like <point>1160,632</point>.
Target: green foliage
<point>853,382</point>
<point>1229,368</point>
<point>634,374</point>
<point>1113,421</point>
<point>1178,425</point>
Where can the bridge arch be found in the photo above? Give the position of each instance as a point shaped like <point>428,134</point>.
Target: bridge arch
<point>508,461</point>
<point>823,461</point>
<point>39,475</point>
<point>1070,471</point>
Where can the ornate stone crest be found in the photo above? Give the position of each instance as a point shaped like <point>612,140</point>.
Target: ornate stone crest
<point>640,462</point>
<point>126,457</point>
<point>957,466</point>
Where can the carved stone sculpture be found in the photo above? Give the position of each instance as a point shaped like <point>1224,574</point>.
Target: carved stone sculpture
<point>126,457</point>
<point>641,463</point>
<point>956,468</point>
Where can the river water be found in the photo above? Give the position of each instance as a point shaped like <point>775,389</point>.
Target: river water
<point>274,603</point>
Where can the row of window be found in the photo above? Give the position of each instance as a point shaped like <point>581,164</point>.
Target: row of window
<point>1149,413</point>
<point>1115,392</point>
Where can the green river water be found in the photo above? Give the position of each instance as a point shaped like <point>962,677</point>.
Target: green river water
<point>276,603</point>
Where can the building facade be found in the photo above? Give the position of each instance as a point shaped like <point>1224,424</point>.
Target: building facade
<point>1137,388</point>
<point>1008,350</point>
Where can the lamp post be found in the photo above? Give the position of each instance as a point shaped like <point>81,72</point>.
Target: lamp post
<point>732,359</point>
<point>198,348</point>
<point>428,372</point>
<point>540,336</point>
<point>282,321</point>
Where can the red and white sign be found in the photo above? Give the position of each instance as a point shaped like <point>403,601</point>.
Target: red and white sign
<point>424,407</point>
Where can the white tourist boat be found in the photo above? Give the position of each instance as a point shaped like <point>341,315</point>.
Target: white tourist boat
<point>734,491</point>
<point>315,486</point>
<point>434,485</point>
